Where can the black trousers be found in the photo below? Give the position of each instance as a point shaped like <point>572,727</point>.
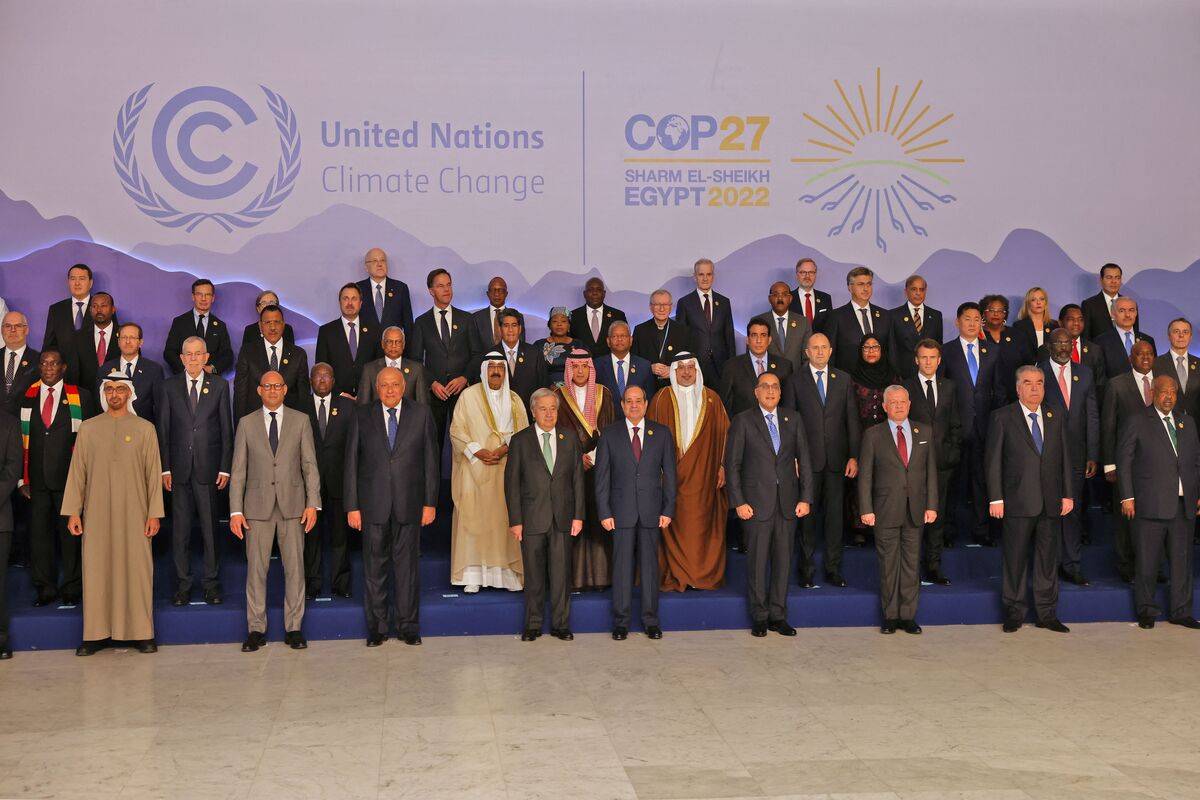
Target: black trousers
<point>6,538</point>
<point>1043,533</point>
<point>330,532</point>
<point>390,557</point>
<point>829,489</point>
<point>1072,544</point>
<point>970,489</point>
<point>547,555</point>
<point>769,562</point>
<point>1122,538</point>
<point>935,532</point>
<point>625,540</point>
<point>46,528</point>
<point>443,412</point>
<point>193,500</point>
<point>1150,536</point>
<point>899,551</point>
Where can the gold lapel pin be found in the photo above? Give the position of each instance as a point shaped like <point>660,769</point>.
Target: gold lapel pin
<point>66,402</point>
<point>560,436</point>
<point>906,319</point>
<point>285,361</point>
<point>983,350</point>
<point>26,364</point>
<point>876,315</point>
<point>334,412</point>
<point>785,419</point>
<point>128,439</point>
<point>1008,338</point>
<point>520,359</point>
<point>1049,414</point>
<point>916,429</point>
<point>670,347</point>
<point>205,390</point>
<point>390,294</point>
<point>364,329</point>
<point>793,323</point>
<point>632,370</point>
<point>1180,424</point>
<point>716,303</point>
<point>406,370</point>
<point>609,315</point>
<point>832,376</point>
<point>1074,377</point>
<point>649,433</point>
<point>772,366</point>
<point>215,323</point>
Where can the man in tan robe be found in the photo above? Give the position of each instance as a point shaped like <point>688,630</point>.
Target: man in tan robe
<point>693,545</point>
<point>487,415</point>
<point>114,488</point>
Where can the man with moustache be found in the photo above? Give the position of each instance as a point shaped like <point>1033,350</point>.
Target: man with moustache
<point>591,322</point>
<point>789,330</point>
<point>416,386</point>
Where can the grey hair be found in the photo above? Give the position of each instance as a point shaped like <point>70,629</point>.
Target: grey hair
<point>620,322</point>
<point>193,339</point>
<point>895,387</point>
<point>1024,368</point>
<point>264,293</point>
<point>658,292</point>
<point>392,328</point>
<point>539,394</point>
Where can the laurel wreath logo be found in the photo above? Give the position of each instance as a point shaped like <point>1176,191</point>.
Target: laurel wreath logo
<point>158,208</point>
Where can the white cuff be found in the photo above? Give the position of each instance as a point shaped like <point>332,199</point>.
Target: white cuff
<point>471,449</point>
<point>996,503</point>
<point>1110,468</point>
<point>226,474</point>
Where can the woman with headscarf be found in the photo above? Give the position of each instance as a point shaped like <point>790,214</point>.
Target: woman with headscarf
<point>584,409</point>
<point>559,344</point>
<point>872,373</point>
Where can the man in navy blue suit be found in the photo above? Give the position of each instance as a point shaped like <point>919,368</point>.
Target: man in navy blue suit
<point>847,325</point>
<point>635,499</point>
<point>619,368</point>
<point>911,322</point>
<point>807,300</point>
<point>385,301</point>
<point>145,374</point>
<point>1116,343</point>
<point>709,316</point>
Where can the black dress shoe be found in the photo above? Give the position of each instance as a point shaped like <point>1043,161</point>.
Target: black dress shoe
<point>310,596</point>
<point>181,599</point>
<point>1012,625</point>
<point>70,599</point>
<point>620,634</point>
<point>376,639</point>
<point>411,638</point>
<point>653,632</point>
<point>564,634</point>
<point>758,629</point>
<point>87,649</point>
<point>1160,578</point>
<point>44,600</point>
<point>834,579</point>
<point>1126,577</point>
<point>146,646</point>
<point>806,582</point>
<point>530,634</point>
<point>1073,577</point>
<point>888,626</point>
<point>1185,622</point>
<point>5,653</point>
<point>910,626</point>
<point>213,597</point>
<point>781,627</point>
<point>295,640</point>
<point>1146,623</point>
<point>251,644</point>
<point>1053,625</point>
<point>937,578</point>
<point>344,593</point>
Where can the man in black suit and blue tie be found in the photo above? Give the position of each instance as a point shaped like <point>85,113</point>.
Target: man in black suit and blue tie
<point>144,373</point>
<point>386,301</point>
<point>200,321</point>
<point>72,314</point>
<point>1116,343</point>
<point>619,368</point>
<point>348,343</point>
<point>635,499</point>
<point>709,316</point>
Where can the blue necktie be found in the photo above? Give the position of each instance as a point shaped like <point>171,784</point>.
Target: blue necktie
<point>774,432</point>
<point>1128,342</point>
<point>620,379</point>
<point>379,302</point>
<point>1037,433</point>
<point>821,385</point>
<point>273,433</point>
<point>353,341</point>
<point>391,429</point>
<point>972,363</point>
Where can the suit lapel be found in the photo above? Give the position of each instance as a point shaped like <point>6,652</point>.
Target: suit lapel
<point>760,421</point>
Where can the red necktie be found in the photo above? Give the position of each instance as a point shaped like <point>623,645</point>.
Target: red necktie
<point>808,309</point>
<point>101,350</point>
<point>1063,386</point>
<point>1075,351</point>
<point>902,446</point>
<point>637,445</point>
<point>48,408</point>
<point>707,310</point>
<point>1149,397</point>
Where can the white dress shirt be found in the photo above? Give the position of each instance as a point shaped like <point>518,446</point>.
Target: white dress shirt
<point>385,415</point>
<point>108,339</point>
<point>58,398</point>
<point>346,323</point>
<point>857,309</point>
<point>437,319</point>
<point>278,350</point>
<point>922,379</point>
<point>8,352</point>
<point>266,415</point>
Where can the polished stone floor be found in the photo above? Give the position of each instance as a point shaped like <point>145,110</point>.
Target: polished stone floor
<point>1108,711</point>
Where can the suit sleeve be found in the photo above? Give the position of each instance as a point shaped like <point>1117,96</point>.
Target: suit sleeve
<point>241,385</point>
<point>853,427</point>
<point>993,459</point>
<point>512,484</point>
<point>1108,429</point>
<point>309,468</point>
<point>433,460</point>
<point>670,484</point>
<point>726,387</point>
<point>364,387</point>
<point>1066,458</point>
<point>866,475</point>
<point>350,465</point>
<point>406,313</point>
<point>237,475</point>
<point>415,344</point>
<point>477,347</point>
<point>931,479</point>
<point>603,478</point>
<point>1092,426</point>
<point>730,343</point>
<point>303,389</point>
<point>173,348</point>
<point>803,464</point>
<point>1126,449</point>
<point>222,359</point>
<point>421,392</point>
<point>734,448</point>
<point>577,481</point>
<point>954,431</point>
<point>11,471</point>
<point>225,420</point>
<point>162,424</point>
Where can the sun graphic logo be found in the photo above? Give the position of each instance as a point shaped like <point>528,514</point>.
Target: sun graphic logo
<point>880,163</point>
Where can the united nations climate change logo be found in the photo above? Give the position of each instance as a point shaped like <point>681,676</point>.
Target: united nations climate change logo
<point>884,167</point>
<point>213,187</point>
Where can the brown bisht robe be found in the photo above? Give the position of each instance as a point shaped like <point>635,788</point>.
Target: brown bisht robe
<point>592,552</point>
<point>693,545</point>
<point>115,484</point>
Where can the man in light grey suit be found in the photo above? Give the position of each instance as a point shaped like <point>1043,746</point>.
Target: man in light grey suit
<point>789,330</point>
<point>898,495</point>
<point>274,492</point>
<point>416,388</point>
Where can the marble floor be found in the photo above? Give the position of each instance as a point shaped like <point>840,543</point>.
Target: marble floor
<point>1109,711</point>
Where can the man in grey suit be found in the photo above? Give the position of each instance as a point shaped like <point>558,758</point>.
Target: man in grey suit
<point>274,493</point>
<point>543,488</point>
<point>769,482</point>
<point>1028,473</point>
<point>897,496</point>
<point>1158,483</point>
<point>416,388</point>
<point>789,330</point>
<point>390,490</point>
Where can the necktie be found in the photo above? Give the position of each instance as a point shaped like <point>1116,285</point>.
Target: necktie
<point>200,325</point>
<point>273,433</point>
<point>1181,368</point>
<point>902,446</point>
<point>1171,432</point>
<point>48,408</point>
<point>917,319</point>
<point>1063,386</point>
<point>782,326</point>
<point>1037,432</point>
<point>1112,306</point>
<point>379,302</point>
<point>194,395</point>
<point>621,377</point>
<point>821,385</point>
<point>547,453</point>
<point>929,395</point>
<point>774,431</point>
<point>758,366</point>
<point>274,360</point>
<point>444,328</point>
<point>866,321</point>
<point>512,361</point>
<point>353,341</point>
<point>707,309</point>
<point>595,325</point>
<point>972,363</point>
<point>101,349</point>
<point>808,309</point>
<point>1075,351</point>
<point>129,369</point>
<point>1146,395</point>
<point>322,419</point>
<point>496,325</point>
<point>637,444</point>
<point>78,314</point>
<point>1128,342</point>
<point>10,372</point>
<point>393,426</point>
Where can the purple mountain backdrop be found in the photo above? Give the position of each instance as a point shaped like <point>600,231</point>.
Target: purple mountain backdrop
<point>307,264</point>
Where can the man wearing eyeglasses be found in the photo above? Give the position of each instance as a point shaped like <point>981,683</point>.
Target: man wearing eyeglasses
<point>145,374</point>
<point>20,367</point>
<point>807,300</point>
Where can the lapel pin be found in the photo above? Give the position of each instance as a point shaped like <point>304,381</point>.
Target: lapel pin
<point>785,419</point>
<point>334,412</point>
<point>832,376</point>
<point>793,323</point>
<point>716,303</point>
<point>916,430</point>
<point>364,329</point>
<point>1075,377</point>
<point>773,366</point>
<point>649,432</point>
<point>26,364</point>
<point>390,294</point>
<point>66,402</point>
<point>632,370</point>
<point>215,323</point>
<point>406,370</point>
<point>1180,424</point>
<point>983,350</point>
<point>1008,338</point>
<point>454,326</point>
<point>608,314</point>
<point>906,319</point>
<point>670,347</point>
<point>876,315</point>
<point>1049,414</point>
<point>205,390</point>
<point>560,436</point>
<point>285,361</point>
<point>128,439</point>
<point>520,359</point>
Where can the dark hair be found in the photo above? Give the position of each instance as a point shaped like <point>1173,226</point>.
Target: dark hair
<point>510,313</point>
<point>1062,312</point>
<point>269,307</point>
<point>104,294</point>
<point>141,333</point>
<point>755,322</point>
<point>56,352</point>
<point>909,280</point>
<point>1109,266</point>
<point>988,299</point>
<point>432,276</point>
<point>203,282</point>
<point>929,344</point>
<point>1184,320</point>
<point>968,306</point>
<point>350,285</point>
<point>83,267</point>
<point>858,272</point>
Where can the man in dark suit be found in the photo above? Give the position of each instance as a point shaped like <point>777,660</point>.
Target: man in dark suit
<point>591,321</point>
<point>53,411</point>
<point>92,345</point>
<point>934,403</point>
<point>1029,488</point>
<point>1158,469</point>
<point>145,374</point>
<point>271,354</point>
<point>659,338</point>
<point>543,488</point>
<point>740,374</point>
<point>329,415</point>
<point>347,343</point>
<point>386,301</point>
<point>487,319</point>
<point>72,314</point>
<point>527,370</point>
<point>635,500</point>
<point>912,322</point>
<point>416,387</point>
<point>807,300</point>
<point>1116,344</point>
<point>10,473</point>
<point>847,325</point>
<point>619,368</point>
<point>971,366</point>
<point>195,440</point>
<point>709,316</point>
<point>1070,389</point>
<point>390,491</point>
<point>1182,366</point>
<point>20,362</point>
<point>1070,318</point>
<point>1098,309</point>
<point>769,482</point>
<point>200,321</point>
<point>445,341</point>
<point>789,330</point>
<point>1125,396</point>
<point>897,496</point>
<point>828,412</point>
<point>252,334</point>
